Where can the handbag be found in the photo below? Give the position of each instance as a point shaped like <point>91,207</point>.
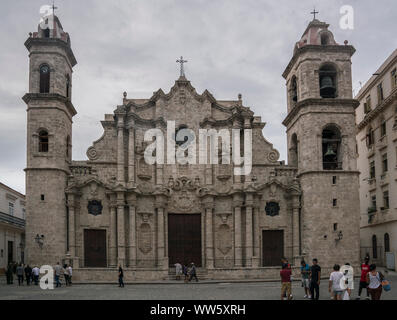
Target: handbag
<point>386,285</point>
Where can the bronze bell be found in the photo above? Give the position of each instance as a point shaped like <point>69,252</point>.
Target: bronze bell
<point>327,87</point>
<point>330,152</point>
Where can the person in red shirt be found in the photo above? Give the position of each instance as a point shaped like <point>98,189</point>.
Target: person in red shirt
<point>285,275</point>
<point>363,278</point>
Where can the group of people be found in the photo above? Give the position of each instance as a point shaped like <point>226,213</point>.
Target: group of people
<point>32,275</point>
<point>22,272</point>
<point>188,272</point>
<point>338,285</point>
<point>67,273</point>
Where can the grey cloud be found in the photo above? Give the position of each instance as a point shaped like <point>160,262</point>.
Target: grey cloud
<point>233,47</point>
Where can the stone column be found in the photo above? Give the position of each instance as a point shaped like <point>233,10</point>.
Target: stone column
<point>237,203</point>
<point>295,226</point>
<point>72,230</point>
<point>113,237</point>
<point>249,247</point>
<point>160,204</point>
<point>120,149</point>
<point>131,155</point>
<point>132,235</point>
<point>120,230</point>
<point>209,233</point>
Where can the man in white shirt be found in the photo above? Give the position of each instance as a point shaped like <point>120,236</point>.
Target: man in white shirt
<point>334,283</point>
<point>36,273</point>
<point>70,272</point>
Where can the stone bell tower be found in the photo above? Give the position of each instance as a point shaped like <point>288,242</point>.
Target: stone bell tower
<point>49,135</point>
<point>321,144</point>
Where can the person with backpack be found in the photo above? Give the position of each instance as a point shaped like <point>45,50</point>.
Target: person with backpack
<point>374,281</point>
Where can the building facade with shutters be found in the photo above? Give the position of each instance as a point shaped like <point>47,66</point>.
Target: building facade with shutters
<point>12,226</point>
<point>116,208</point>
<point>376,119</point>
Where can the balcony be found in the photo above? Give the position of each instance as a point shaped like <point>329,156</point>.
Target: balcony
<point>332,165</point>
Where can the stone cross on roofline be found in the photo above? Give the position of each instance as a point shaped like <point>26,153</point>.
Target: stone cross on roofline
<point>181,61</point>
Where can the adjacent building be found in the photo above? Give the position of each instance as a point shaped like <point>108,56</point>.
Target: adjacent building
<point>376,120</point>
<point>12,226</point>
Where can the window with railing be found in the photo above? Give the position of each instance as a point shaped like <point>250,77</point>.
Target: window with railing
<point>384,163</point>
<point>372,170</point>
<point>386,200</point>
<point>394,78</point>
<point>10,208</point>
<point>380,93</point>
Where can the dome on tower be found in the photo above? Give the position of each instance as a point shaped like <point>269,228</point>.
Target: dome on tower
<point>51,27</point>
<point>316,33</point>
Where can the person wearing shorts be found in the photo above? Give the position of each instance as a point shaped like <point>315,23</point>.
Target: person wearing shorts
<point>305,272</point>
<point>334,286</point>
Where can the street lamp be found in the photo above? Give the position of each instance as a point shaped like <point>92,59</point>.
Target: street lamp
<point>39,240</point>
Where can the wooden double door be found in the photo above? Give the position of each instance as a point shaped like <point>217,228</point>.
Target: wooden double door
<point>184,239</point>
<point>95,248</point>
<point>272,247</point>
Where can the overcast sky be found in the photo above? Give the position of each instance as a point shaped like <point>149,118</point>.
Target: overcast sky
<point>233,46</point>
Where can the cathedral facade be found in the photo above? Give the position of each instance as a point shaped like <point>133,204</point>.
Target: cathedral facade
<point>116,208</point>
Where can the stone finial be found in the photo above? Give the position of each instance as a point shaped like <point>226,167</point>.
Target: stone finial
<point>125,95</point>
<point>346,42</point>
<point>30,34</point>
<point>240,96</point>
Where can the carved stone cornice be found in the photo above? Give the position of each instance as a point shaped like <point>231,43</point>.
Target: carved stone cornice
<point>320,102</point>
<point>379,109</point>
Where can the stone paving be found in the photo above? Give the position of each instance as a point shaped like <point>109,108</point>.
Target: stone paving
<point>170,290</point>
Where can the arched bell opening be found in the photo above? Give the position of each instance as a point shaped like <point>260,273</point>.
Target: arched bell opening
<point>331,141</point>
<point>327,77</point>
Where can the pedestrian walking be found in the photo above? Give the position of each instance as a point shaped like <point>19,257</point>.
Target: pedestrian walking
<point>185,273</point>
<point>9,274</point>
<point>374,280</point>
<point>70,274</point>
<point>363,279</point>
<point>121,276</point>
<point>178,270</point>
<point>66,274</point>
<point>285,275</point>
<point>192,273</point>
<point>305,272</point>
<point>36,274</point>
<point>28,275</point>
<point>58,271</point>
<point>334,285</point>
<point>315,276</point>
<point>20,272</point>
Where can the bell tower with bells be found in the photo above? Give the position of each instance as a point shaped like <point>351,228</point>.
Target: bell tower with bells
<point>321,145</point>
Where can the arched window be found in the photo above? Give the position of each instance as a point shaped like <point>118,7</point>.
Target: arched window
<point>67,86</point>
<point>43,141</point>
<point>324,39</point>
<point>387,242</point>
<point>46,33</point>
<point>44,79</point>
<point>294,151</point>
<point>374,247</point>
<point>294,89</point>
<point>331,141</point>
<point>183,135</point>
<point>327,76</point>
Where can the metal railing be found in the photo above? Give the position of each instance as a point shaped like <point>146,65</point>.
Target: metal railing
<point>6,218</point>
